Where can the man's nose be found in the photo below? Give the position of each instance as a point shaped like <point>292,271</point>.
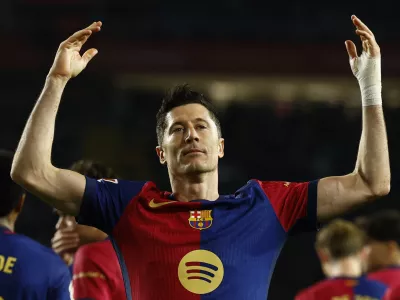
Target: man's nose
<point>191,135</point>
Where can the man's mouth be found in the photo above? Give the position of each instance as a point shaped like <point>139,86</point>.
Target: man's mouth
<point>192,151</point>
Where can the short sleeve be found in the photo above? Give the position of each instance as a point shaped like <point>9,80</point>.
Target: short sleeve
<point>90,280</point>
<point>105,200</point>
<point>292,201</point>
<point>60,280</point>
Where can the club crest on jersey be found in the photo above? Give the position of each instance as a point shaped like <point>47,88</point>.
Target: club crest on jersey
<point>200,219</point>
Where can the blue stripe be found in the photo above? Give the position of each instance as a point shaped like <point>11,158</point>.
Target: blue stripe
<point>124,269</point>
<point>210,266</point>
<point>205,273</point>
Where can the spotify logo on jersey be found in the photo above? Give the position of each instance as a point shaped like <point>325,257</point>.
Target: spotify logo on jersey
<point>200,271</point>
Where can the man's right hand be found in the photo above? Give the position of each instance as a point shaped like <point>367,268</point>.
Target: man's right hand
<point>68,62</point>
<point>66,240</point>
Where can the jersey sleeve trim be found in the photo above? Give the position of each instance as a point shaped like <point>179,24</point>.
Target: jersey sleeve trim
<point>89,193</point>
<point>81,275</point>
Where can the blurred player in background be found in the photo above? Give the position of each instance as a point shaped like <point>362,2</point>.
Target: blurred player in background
<point>341,249</point>
<point>192,242</point>
<point>95,267</point>
<point>28,270</point>
<point>383,233</point>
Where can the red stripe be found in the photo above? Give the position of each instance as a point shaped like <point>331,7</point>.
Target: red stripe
<point>192,263</point>
<point>193,271</point>
<point>195,277</point>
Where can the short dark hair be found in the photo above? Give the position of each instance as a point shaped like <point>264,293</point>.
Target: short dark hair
<point>92,169</point>
<point>11,193</point>
<point>341,238</point>
<point>178,96</point>
<point>381,226</point>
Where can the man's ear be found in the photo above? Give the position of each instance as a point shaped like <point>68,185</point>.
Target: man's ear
<point>323,255</point>
<point>161,155</point>
<point>221,148</point>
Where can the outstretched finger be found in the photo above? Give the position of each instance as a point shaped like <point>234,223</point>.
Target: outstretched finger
<point>360,25</point>
<point>95,26</point>
<point>89,54</point>
<point>85,33</point>
<point>79,37</point>
<point>351,49</point>
<point>365,35</point>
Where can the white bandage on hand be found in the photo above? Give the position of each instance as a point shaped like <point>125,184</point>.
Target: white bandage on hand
<point>367,70</point>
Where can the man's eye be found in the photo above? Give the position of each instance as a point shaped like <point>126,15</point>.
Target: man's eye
<point>177,129</point>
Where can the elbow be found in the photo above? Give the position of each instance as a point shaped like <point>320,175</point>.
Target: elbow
<point>21,177</point>
<point>17,175</point>
<point>381,190</point>
<point>25,176</point>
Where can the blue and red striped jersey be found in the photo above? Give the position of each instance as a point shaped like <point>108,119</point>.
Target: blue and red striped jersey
<point>223,249</point>
<point>344,288</point>
<point>30,271</point>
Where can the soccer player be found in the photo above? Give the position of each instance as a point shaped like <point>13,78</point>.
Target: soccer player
<point>193,243</point>
<point>28,270</point>
<point>340,247</point>
<point>383,232</point>
<point>96,271</point>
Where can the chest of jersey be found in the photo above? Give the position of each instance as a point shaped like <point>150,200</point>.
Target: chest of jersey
<point>199,250</point>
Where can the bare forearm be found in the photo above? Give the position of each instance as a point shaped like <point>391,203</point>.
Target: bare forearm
<point>373,155</point>
<point>34,150</point>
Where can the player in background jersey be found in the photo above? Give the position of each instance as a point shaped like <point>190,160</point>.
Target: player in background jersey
<point>173,245</point>
<point>383,262</point>
<point>340,248</point>
<point>95,268</point>
<point>68,236</point>
<point>28,270</point>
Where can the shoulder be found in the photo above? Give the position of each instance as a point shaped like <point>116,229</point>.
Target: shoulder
<point>103,247</point>
<point>316,289</point>
<point>33,247</point>
<point>373,283</point>
<point>384,275</point>
<point>100,253</point>
<point>38,254</point>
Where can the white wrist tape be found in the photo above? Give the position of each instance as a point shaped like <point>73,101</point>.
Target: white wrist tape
<point>367,70</point>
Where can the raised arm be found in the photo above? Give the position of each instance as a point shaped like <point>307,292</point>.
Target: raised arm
<point>371,176</point>
<point>32,167</point>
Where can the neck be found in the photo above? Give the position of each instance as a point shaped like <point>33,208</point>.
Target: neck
<point>6,222</point>
<point>194,187</point>
<point>347,267</point>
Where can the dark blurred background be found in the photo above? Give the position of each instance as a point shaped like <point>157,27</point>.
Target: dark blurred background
<point>278,71</point>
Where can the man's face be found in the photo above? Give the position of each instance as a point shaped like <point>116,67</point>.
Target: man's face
<point>378,255</point>
<point>191,143</point>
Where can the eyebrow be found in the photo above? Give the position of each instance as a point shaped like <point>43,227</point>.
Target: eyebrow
<point>201,120</point>
<point>182,123</point>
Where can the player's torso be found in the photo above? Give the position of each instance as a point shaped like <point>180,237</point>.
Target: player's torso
<point>21,274</point>
<point>224,249</point>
